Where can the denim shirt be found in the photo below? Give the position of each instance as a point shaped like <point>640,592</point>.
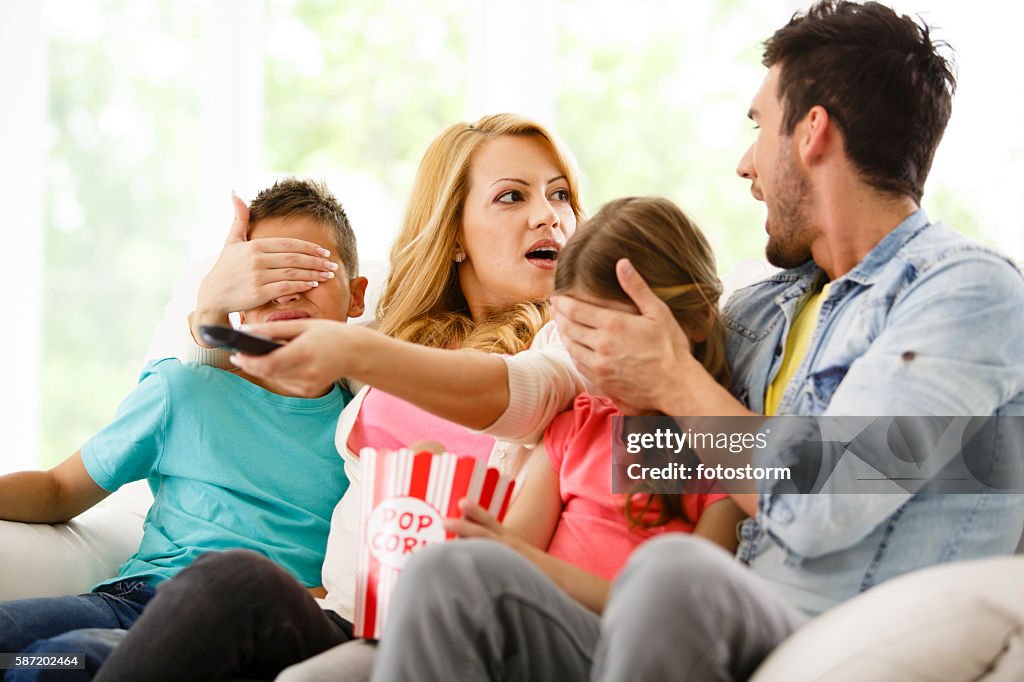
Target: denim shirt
<point>929,323</point>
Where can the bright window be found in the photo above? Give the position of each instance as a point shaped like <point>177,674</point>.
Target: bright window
<point>134,121</point>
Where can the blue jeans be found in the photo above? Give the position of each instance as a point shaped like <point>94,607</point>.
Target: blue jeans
<point>89,624</point>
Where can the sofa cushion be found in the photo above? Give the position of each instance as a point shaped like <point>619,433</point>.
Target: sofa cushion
<point>43,560</point>
<point>961,621</point>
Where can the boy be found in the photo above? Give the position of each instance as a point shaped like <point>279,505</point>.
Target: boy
<point>233,461</point>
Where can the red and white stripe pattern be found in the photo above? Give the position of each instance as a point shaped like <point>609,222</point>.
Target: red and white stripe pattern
<point>440,481</point>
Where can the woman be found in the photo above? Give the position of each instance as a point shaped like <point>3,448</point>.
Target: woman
<point>492,205</point>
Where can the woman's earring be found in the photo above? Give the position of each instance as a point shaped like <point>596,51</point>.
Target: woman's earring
<point>459,256</point>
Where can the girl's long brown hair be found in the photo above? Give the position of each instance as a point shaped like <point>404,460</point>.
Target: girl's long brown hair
<point>675,259</point>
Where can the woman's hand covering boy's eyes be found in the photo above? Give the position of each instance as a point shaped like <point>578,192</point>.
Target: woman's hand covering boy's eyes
<point>249,273</point>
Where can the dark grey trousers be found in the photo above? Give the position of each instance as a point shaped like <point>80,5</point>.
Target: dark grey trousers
<point>229,615</point>
<point>682,609</point>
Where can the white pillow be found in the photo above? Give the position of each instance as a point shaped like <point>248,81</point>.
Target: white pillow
<point>956,622</point>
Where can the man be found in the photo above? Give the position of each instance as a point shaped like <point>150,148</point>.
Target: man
<point>878,311</point>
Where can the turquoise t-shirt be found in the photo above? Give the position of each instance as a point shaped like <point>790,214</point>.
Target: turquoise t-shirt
<point>231,465</point>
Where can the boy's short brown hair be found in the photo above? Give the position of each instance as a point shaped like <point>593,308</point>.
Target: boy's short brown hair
<point>292,197</point>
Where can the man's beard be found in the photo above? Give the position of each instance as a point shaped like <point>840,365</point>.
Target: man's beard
<point>789,240</point>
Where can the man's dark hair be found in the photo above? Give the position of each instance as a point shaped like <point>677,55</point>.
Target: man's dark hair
<point>292,198</point>
<point>881,79</point>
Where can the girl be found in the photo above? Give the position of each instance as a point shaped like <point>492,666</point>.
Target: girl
<point>565,506</point>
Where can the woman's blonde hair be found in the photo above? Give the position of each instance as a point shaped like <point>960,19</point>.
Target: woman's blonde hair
<point>675,259</point>
<point>422,301</point>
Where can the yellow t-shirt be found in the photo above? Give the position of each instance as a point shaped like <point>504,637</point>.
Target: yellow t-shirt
<point>797,340</point>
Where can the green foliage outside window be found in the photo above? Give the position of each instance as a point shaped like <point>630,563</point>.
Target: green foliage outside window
<point>372,84</point>
<point>119,195</point>
<point>653,103</point>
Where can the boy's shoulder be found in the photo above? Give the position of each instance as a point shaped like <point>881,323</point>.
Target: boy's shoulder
<point>194,383</point>
<point>202,384</point>
<point>173,370</point>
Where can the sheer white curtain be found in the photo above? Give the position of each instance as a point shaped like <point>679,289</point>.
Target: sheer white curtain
<point>515,59</point>
<point>231,149</point>
<point>512,65</point>
<point>22,149</point>
<point>232,120</point>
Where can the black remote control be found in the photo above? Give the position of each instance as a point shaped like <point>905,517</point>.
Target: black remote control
<point>234,339</point>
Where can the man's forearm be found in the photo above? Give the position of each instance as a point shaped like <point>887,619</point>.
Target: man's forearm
<point>697,394</point>
<point>812,526</point>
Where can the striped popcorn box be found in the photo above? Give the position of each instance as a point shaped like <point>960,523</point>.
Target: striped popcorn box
<point>405,498</point>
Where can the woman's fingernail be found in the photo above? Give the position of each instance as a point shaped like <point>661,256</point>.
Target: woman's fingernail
<point>325,253</point>
<point>330,265</point>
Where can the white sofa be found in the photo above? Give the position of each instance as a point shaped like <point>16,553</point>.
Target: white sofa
<point>959,622</point>
<point>41,560</point>
<point>952,623</point>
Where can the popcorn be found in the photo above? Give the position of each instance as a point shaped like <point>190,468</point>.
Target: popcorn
<point>405,499</point>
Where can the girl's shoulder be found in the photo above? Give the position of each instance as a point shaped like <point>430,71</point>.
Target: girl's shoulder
<point>588,410</point>
<point>594,406</point>
<point>589,417</point>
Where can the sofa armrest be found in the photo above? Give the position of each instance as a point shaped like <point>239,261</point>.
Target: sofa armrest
<point>43,560</point>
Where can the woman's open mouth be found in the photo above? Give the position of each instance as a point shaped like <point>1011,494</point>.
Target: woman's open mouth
<point>544,254</point>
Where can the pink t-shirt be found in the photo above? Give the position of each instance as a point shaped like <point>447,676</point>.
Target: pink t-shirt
<point>387,422</point>
<point>593,531</point>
